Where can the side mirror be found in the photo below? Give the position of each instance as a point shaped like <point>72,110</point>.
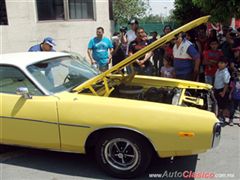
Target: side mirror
<point>23,91</point>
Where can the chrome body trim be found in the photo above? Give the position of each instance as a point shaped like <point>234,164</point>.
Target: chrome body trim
<point>216,135</point>
<point>74,125</point>
<point>43,121</point>
<point>41,148</point>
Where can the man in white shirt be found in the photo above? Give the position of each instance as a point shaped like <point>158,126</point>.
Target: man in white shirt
<point>131,34</point>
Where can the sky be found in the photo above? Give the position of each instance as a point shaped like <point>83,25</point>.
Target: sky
<point>161,7</point>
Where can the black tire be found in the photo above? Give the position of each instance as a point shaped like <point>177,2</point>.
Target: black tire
<point>132,159</point>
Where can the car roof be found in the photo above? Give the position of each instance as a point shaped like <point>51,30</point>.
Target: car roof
<point>24,59</point>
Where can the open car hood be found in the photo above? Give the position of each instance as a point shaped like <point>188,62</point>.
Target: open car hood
<point>131,59</point>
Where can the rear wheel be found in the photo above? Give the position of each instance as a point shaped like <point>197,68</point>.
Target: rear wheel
<point>123,154</point>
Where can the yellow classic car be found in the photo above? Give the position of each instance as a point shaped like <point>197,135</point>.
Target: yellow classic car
<point>57,101</point>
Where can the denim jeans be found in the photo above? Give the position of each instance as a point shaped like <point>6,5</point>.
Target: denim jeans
<point>235,105</point>
<point>103,68</point>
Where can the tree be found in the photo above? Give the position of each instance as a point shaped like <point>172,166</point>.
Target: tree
<point>185,11</point>
<point>124,10</point>
<point>152,18</point>
<point>220,10</point>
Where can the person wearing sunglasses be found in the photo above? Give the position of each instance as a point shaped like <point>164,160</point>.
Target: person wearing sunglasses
<point>186,58</point>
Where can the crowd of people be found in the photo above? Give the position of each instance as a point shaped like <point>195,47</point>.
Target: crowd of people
<point>196,55</point>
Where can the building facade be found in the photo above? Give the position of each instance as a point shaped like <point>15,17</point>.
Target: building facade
<point>70,22</point>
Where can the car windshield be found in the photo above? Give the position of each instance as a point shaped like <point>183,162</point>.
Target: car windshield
<point>62,73</point>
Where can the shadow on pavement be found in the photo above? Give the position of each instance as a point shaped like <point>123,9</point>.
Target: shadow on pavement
<point>172,169</point>
<point>85,166</point>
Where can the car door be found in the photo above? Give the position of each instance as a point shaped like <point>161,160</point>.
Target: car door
<point>28,122</point>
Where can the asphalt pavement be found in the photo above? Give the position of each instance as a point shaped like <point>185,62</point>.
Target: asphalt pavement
<point>29,164</point>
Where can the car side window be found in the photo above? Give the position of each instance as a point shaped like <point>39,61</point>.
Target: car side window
<point>12,78</point>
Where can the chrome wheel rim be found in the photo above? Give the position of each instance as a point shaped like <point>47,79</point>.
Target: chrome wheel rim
<point>121,154</point>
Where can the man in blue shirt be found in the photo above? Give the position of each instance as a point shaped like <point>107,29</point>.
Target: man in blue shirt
<point>47,45</point>
<point>98,50</point>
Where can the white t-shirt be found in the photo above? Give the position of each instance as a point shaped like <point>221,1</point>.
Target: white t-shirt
<point>222,77</point>
<point>131,36</point>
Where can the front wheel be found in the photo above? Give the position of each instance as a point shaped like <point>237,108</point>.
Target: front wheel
<point>122,154</point>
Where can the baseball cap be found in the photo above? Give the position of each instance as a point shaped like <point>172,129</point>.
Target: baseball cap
<point>49,41</point>
<point>133,21</point>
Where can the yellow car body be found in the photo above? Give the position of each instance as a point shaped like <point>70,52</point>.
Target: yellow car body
<point>65,121</point>
<point>74,120</point>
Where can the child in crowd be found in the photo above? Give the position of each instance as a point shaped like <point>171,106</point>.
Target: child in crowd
<point>234,96</point>
<point>222,79</point>
<point>210,60</point>
<point>235,64</point>
<point>167,70</point>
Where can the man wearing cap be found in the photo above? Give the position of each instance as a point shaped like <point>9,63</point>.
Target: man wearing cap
<point>132,33</point>
<point>47,45</point>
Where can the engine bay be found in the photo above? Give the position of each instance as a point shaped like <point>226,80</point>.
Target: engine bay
<point>201,99</point>
<point>153,94</point>
<point>154,89</point>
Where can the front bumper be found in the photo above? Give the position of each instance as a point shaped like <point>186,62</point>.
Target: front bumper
<point>216,135</point>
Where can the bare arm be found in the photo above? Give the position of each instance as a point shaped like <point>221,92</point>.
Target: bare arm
<point>130,53</point>
<point>196,57</point>
<point>89,52</point>
<point>147,57</point>
<point>222,94</point>
<point>124,38</point>
<point>110,55</point>
<point>196,68</point>
<point>200,49</point>
<point>111,51</point>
